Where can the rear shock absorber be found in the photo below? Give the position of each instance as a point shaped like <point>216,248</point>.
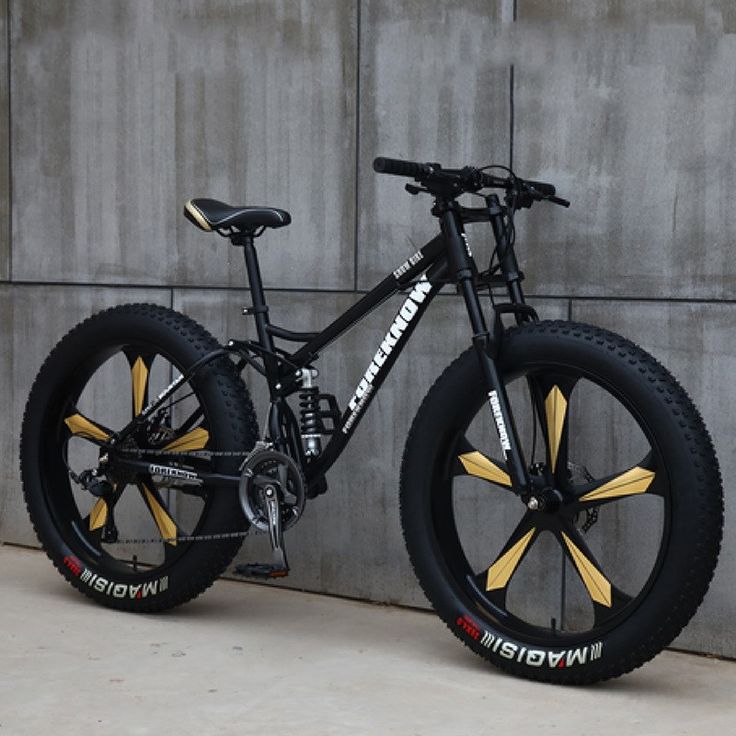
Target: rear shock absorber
<point>311,426</point>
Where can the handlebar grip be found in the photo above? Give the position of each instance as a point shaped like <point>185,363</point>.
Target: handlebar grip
<point>559,200</point>
<point>397,167</point>
<point>548,190</point>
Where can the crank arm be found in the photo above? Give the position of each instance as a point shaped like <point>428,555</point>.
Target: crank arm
<point>276,532</point>
<point>278,567</point>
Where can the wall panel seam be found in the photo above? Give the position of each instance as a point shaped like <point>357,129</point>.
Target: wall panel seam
<point>356,229</point>
<point>511,103</point>
<point>10,147</point>
<point>360,292</point>
<point>511,116</point>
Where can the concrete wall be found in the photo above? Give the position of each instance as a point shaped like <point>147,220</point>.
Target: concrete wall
<point>112,113</point>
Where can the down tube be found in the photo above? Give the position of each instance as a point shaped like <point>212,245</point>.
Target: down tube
<point>393,343</point>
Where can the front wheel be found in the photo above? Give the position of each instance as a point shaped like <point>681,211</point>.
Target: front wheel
<point>619,555</point>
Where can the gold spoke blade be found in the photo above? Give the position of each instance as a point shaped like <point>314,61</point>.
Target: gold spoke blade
<point>555,408</point>
<point>477,464</point>
<point>636,480</point>
<point>164,522</point>
<point>98,515</point>
<point>82,427</point>
<point>139,373</point>
<point>196,439</point>
<point>500,572</point>
<point>593,579</point>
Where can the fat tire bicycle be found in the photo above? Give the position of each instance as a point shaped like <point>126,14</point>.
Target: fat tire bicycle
<point>528,427</point>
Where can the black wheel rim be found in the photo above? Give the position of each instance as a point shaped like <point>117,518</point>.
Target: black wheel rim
<point>80,518</point>
<point>488,586</point>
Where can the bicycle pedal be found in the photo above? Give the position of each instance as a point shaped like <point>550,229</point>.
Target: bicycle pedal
<point>261,570</point>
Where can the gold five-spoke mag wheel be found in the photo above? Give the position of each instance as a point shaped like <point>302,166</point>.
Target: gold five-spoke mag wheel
<point>100,489</point>
<point>609,544</point>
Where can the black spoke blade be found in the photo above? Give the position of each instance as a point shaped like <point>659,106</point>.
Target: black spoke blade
<point>97,516</point>
<point>619,600</point>
<point>470,461</point>
<point>140,367</point>
<point>193,418</point>
<point>161,516</point>
<point>658,486</point>
<point>194,439</point>
<point>100,515</point>
<point>552,397</point>
<point>496,578</point>
<point>80,426</point>
<point>641,478</point>
<point>606,598</point>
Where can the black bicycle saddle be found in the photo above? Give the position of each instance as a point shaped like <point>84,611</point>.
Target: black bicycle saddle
<point>210,214</point>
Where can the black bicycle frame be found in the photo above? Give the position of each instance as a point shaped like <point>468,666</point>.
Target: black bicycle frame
<point>444,259</point>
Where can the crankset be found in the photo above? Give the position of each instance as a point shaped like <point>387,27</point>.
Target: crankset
<point>272,494</point>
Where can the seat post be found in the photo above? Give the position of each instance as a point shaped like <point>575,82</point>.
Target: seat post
<point>259,308</point>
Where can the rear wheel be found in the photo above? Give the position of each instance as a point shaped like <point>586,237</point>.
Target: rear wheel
<point>127,549</point>
<point>617,558</point>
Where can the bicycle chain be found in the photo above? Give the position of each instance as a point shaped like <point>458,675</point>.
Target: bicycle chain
<point>193,453</point>
<point>186,537</point>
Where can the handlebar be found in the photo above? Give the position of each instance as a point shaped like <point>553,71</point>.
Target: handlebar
<point>471,178</point>
<point>397,167</point>
<point>467,179</point>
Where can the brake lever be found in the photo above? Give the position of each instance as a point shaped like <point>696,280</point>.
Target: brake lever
<point>413,189</point>
<point>521,200</point>
<point>546,197</point>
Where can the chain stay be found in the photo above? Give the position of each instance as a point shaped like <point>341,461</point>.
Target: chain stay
<point>185,537</point>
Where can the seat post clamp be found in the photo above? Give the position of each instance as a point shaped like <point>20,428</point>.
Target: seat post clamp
<point>255,310</point>
<point>243,238</point>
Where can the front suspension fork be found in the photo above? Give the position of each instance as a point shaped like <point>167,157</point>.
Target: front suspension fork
<point>486,348</point>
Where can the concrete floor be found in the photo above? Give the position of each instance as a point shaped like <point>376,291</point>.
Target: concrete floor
<point>246,659</point>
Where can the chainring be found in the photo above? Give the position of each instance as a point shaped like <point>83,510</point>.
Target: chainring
<point>266,468</point>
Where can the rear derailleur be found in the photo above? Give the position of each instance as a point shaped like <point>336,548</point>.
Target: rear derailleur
<point>97,483</point>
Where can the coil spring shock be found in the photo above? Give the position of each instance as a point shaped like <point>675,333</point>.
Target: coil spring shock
<point>311,426</point>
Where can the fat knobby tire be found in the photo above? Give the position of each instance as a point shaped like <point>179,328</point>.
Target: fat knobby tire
<point>696,502</point>
<point>231,423</point>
